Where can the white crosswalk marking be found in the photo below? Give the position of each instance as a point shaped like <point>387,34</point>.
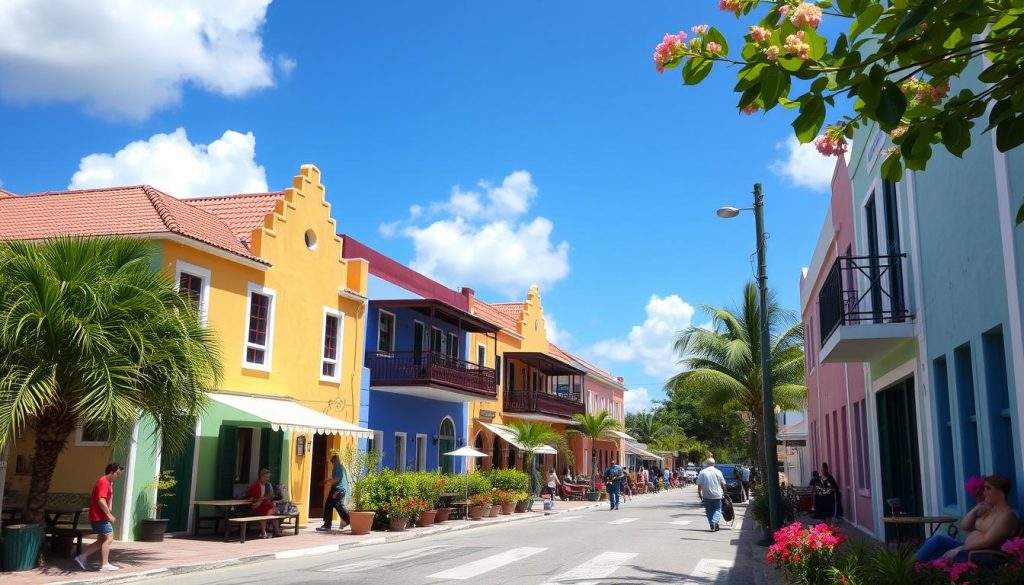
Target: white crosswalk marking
<point>598,567</point>
<point>623,520</point>
<point>376,563</point>
<point>566,518</point>
<point>710,571</point>
<point>682,522</point>
<point>470,570</point>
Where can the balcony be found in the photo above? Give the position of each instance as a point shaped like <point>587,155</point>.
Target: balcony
<point>431,374</point>
<point>862,309</point>
<point>554,395</point>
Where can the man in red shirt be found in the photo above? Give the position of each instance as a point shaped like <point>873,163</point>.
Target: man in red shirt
<point>102,518</point>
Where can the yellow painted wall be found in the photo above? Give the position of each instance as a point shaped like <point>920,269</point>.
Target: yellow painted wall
<point>82,466</point>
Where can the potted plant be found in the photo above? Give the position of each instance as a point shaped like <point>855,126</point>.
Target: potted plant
<point>478,503</point>
<point>428,486</point>
<point>153,529</point>
<point>495,507</point>
<point>507,501</point>
<point>594,495</point>
<point>522,502</point>
<point>360,464</point>
<point>400,510</point>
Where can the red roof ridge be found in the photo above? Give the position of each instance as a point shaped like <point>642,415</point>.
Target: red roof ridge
<point>91,190</point>
<point>156,199</point>
<point>237,196</point>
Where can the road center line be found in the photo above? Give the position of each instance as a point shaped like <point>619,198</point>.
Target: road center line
<point>470,570</point>
<point>598,567</point>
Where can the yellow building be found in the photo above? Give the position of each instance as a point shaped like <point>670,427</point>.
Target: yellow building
<point>532,383</point>
<point>267,274</point>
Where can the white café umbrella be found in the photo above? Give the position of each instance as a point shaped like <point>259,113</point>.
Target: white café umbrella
<point>466,452</point>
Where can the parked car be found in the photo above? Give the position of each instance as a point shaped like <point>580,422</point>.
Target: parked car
<point>731,481</point>
<point>691,473</point>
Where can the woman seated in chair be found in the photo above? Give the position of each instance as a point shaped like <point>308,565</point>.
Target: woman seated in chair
<point>989,524</point>
<point>261,501</point>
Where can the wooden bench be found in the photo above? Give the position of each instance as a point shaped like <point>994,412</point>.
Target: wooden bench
<point>243,524</point>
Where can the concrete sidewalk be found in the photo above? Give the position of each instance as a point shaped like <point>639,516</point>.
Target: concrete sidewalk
<point>182,554</point>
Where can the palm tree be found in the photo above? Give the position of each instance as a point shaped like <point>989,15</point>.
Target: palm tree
<point>645,427</point>
<point>596,427</point>
<point>723,362</point>
<point>91,334</point>
<point>532,436</point>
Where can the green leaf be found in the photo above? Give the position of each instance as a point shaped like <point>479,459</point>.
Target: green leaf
<point>914,18</point>
<point>994,72</point>
<point>810,120</point>
<point>696,69</point>
<point>866,19</point>
<point>819,84</point>
<point>1010,133</point>
<point>791,64</point>
<point>956,135</point>
<point>750,96</point>
<point>1020,215</point>
<point>892,168</point>
<point>891,105</point>
<point>771,85</point>
<point>846,6</point>
<point>715,35</point>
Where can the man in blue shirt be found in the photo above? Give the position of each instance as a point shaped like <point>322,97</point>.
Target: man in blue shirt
<point>613,477</point>
<point>338,487</point>
<point>745,480</point>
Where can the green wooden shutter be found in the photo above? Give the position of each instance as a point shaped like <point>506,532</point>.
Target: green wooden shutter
<point>227,442</point>
<point>271,447</point>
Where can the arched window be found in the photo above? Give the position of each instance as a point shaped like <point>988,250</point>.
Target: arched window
<point>478,444</point>
<point>511,462</point>
<point>496,459</point>
<point>445,444</point>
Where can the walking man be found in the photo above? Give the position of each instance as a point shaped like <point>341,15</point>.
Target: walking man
<point>102,519</point>
<point>711,489</point>
<point>613,477</point>
<point>337,484</point>
<point>745,479</point>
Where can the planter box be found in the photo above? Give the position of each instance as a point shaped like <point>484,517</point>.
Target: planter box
<point>476,512</point>
<point>593,496</point>
<point>398,524</point>
<point>362,522</point>
<point>154,530</point>
<point>508,507</point>
<point>426,518</point>
<point>522,506</point>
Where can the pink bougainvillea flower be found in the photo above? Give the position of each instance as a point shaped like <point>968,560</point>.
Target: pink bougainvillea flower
<point>772,53</point>
<point>831,146</point>
<point>734,6</point>
<point>795,45</point>
<point>760,34</point>
<point>751,109</point>
<point>806,13</point>
<point>665,51</point>
<point>975,486</point>
<point>699,29</point>
<point>714,47</point>
<point>784,9</point>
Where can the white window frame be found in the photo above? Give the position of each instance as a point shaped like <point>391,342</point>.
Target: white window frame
<point>400,461</point>
<point>80,442</point>
<point>479,362</point>
<point>268,348</point>
<point>448,337</point>
<point>394,325</point>
<point>378,445</point>
<point>430,340</point>
<point>331,312</point>
<point>181,267</point>
<point>421,452</point>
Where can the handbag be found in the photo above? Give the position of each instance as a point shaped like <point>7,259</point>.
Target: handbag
<point>728,514</point>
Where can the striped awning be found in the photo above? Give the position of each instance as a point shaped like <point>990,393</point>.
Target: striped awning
<point>285,414</point>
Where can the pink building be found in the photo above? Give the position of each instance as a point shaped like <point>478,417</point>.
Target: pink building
<point>836,407</point>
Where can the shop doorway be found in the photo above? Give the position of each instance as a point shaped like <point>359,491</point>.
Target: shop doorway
<point>318,472</point>
<point>898,452</point>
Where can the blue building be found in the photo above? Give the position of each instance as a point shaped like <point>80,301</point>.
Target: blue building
<point>422,372</point>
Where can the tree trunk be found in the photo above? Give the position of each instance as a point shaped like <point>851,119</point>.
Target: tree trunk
<point>52,431</point>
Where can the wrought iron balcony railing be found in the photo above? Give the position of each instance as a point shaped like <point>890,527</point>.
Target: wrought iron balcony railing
<point>430,368</point>
<point>862,289</point>
<point>540,402</point>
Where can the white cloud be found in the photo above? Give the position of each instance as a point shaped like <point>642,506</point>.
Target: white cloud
<point>638,400</point>
<point>651,342</point>
<point>286,64</point>
<point>803,165</point>
<point>556,335</point>
<point>129,58</point>
<point>174,165</point>
<point>482,238</point>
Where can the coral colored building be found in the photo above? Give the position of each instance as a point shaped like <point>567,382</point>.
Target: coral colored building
<point>265,272</point>
<point>837,424</point>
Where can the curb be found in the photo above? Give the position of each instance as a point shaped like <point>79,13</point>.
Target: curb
<point>317,550</point>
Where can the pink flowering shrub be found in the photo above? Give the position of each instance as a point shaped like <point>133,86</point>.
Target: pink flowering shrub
<point>805,554</point>
<point>806,13</point>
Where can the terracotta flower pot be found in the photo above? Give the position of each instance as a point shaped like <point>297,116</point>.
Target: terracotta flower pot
<point>495,510</point>
<point>426,518</point>
<point>521,506</point>
<point>398,524</point>
<point>604,496</point>
<point>508,507</point>
<point>476,512</point>
<point>361,522</point>
<point>442,515</point>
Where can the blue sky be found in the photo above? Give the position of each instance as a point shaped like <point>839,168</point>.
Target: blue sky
<point>492,145</point>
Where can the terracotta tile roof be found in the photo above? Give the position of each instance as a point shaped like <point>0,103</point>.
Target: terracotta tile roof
<point>6,193</point>
<point>512,310</point>
<point>241,213</point>
<point>488,312</point>
<point>134,210</point>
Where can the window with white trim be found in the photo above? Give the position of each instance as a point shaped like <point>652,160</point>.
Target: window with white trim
<point>193,284</point>
<point>386,332</point>
<point>330,366</point>
<point>260,332</point>
<point>481,355</point>
<point>453,345</point>
<point>421,452</point>
<point>91,435</point>
<point>399,452</point>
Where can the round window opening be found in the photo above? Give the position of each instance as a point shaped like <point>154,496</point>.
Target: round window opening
<point>310,238</point>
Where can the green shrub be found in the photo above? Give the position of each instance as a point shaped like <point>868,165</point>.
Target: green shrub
<point>381,487</point>
<point>428,487</point>
<point>758,507</point>
<point>455,484</point>
<point>511,480</point>
<point>478,483</point>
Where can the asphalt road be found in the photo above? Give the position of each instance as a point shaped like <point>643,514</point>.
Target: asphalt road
<point>656,539</point>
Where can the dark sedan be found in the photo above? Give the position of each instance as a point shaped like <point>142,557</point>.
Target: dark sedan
<point>735,487</point>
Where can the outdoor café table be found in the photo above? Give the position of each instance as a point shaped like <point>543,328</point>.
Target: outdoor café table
<point>55,516</point>
<point>933,521</point>
<point>226,507</point>
<point>447,498</point>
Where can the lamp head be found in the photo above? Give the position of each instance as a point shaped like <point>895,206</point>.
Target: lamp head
<point>727,212</point>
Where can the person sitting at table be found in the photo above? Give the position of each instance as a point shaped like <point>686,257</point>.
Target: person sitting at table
<point>567,477</point>
<point>989,524</point>
<point>261,500</point>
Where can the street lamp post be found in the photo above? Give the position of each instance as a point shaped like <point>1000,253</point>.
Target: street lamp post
<point>767,386</point>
